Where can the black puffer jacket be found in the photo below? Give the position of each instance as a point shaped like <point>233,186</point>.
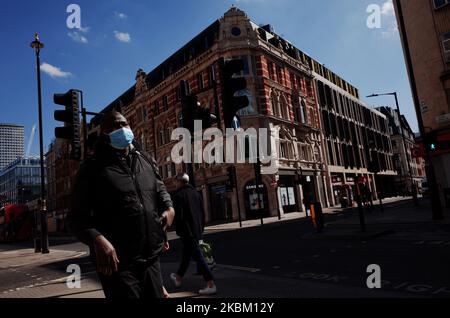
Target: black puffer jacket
<point>189,213</point>
<point>120,198</point>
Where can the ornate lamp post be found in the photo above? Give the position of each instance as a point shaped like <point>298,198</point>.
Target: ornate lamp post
<point>38,45</point>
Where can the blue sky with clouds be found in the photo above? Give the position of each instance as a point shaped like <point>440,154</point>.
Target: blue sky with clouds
<point>120,36</point>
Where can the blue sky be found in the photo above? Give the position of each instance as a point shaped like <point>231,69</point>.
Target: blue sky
<point>121,36</point>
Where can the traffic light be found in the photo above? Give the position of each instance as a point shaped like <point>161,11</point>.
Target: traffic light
<point>431,141</point>
<point>71,119</point>
<point>231,173</point>
<point>192,110</point>
<point>232,84</point>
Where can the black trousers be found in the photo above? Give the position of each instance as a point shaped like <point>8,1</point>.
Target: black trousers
<point>192,250</point>
<point>140,279</point>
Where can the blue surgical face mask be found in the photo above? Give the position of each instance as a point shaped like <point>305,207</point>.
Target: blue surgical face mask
<point>121,138</point>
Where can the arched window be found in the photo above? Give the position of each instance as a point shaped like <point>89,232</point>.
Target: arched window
<point>161,141</point>
<point>275,105</point>
<point>168,132</point>
<point>285,148</point>
<point>284,108</point>
<point>303,112</point>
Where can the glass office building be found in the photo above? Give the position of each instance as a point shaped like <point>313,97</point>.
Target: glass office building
<point>20,181</point>
<point>11,143</point>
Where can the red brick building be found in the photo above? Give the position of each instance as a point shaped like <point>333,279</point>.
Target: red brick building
<point>61,172</point>
<point>282,99</point>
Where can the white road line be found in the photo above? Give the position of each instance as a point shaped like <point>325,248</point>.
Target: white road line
<point>240,268</point>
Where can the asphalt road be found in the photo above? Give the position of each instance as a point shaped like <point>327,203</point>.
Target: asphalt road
<point>410,263</point>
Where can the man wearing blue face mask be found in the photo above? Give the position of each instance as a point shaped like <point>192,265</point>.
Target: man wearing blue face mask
<point>121,209</point>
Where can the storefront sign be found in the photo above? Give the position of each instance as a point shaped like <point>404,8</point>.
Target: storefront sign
<point>253,187</point>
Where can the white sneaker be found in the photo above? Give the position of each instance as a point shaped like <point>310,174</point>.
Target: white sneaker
<point>208,290</point>
<point>175,280</point>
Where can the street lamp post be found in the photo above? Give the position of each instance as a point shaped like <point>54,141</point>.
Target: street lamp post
<point>413,185</point>
<point>38,45</point>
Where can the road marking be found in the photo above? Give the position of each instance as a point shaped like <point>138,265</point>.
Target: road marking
<point>240,268</point>
<point>430,242</point>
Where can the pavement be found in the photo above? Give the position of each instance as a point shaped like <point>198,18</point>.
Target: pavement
<point>242,269</point>
<point>402,217</point>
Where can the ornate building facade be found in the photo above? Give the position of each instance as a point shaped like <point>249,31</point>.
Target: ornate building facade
<point>281,87</point>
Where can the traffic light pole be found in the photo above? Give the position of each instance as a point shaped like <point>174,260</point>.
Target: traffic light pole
<point>362,220</point>
<point>379,195</point>
<point>258,180</point>
<point>233,177</point>
<point>216,102</point>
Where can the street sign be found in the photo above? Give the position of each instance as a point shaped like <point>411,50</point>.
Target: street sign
<point>443,119</point>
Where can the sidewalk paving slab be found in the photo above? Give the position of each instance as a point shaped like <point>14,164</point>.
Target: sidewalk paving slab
<point>27,257</point>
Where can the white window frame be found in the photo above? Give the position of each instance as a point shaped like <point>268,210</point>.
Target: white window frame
<point>446,41</point>
<point>446,3</point>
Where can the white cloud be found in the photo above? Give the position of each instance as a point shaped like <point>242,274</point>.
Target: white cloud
<point>390,31</point>
<point>120,15</point>
<point>122,36</point>
<point>388,8</point>
<point>85,30</point>
<point>54,72</point>
<point>77,37</point>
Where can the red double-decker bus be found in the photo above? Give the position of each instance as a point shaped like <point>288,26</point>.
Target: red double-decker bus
<point>17,224</point>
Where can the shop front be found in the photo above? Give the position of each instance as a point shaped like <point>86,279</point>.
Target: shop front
<point>256,202</point>
<point>288,194</point>
<point>343,189</point>
<point>309,187</point>
<point>220,203</point>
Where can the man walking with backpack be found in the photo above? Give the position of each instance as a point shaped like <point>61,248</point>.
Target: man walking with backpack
<point>190,223</point>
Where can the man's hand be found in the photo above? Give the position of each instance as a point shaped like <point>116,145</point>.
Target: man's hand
<point>167,217</point>
<point>107,259</point>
